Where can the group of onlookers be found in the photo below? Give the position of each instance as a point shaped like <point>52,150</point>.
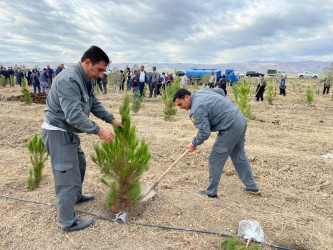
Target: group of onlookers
<point>40,80</point>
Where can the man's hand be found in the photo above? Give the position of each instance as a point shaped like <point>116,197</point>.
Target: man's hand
<point>191,148</point>
<point>105,134</point>
<point>117,123</point>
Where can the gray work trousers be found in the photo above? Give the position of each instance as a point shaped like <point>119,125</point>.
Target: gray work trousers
<point>230,142</point>
<point>68,167</point>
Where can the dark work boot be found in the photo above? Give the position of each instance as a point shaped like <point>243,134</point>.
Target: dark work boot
<point>203,192</point>
<point>79,224</point>
<point>86,198</point>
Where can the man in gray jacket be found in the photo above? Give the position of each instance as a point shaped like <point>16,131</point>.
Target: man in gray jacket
<point>154,82</point>
<point>212,112</point>
<point>68,106</point>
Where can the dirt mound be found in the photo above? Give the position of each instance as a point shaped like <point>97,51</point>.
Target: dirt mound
<point>38,98</point>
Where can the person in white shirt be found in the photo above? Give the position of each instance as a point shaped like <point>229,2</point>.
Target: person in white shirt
<point>212,80</point>
<point>143,78</point>
<point>185,80</point>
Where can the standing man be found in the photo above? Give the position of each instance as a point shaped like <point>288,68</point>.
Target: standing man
<point>143,78</point>
<point>50,74</point>
<point>128,75</point>
<point>68,106</point>
<point>135,83</point>
<point>27,76</point>
<point>185,81</point>
<point>154,82</point>
<point>261,89</point>
<point>212,112</point>
<point>282,85</point>
<point>212,80</point>
<point>19,76</point>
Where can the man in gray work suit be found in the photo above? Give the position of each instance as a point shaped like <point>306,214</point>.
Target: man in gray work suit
<point>68,106</point>
<point>212,112</point>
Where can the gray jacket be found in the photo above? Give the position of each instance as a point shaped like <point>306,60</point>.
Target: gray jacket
<point>155,78</point>
<point>211,111</point>
<point>71,100</point>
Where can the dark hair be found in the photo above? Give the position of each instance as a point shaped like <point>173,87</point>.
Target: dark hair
<point>180,94</point>
<point>96,55</point>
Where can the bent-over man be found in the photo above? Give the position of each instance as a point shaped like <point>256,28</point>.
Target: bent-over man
<point>210,112</point>
<point>68,106</point>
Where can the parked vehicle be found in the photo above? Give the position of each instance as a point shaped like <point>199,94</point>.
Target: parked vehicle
<point>231,76</point>
<point>254,74</point>
<point>180,73</point>
<point>276,73</point>
<point>239,74</point>
<point>197,74</point>
<point>306,74</point>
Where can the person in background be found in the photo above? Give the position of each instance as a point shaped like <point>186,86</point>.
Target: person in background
<point>143,79</point>
<point>212,112</point>
<point>161,83</point>
<point>135,83</point>
<point>27,76</point>
<point>105,82</point>
<point>327,85</point>
<point>282,86</point>
<point>34,79</point>
<point>169,80</point>
<point>59,69</point>
<point>44,85</point>
<point>185,80</point>
<point>212,80</point>
<point>67,111</point>
<point>155,78</point>
<point>11,71</point>
<point>222,83</point>
<point>128,75</point>
<point>261,89</point>
<point>19,76</point>
<point>50,74</point>
<point>122,79</point>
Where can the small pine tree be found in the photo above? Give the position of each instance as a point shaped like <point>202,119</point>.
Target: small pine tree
<point>38,156</point>
<point>170,109</point>
<point>122,162</point>
<point>26,97</point>
<point>3,80</point>
<point>235,243</point>
<point>205,79</point>
<point>271,94</point>
<point>243,101</point>
<point>309,95</point>
<point>136,102</point>
<point>11,80</point>
<point>235,91</point>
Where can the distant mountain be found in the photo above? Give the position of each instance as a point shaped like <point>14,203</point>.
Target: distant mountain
<point>261,66</point>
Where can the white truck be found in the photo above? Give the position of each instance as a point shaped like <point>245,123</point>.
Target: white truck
<point>307,74</point>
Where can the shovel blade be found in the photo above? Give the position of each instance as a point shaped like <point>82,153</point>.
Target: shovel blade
<point>149,195</point>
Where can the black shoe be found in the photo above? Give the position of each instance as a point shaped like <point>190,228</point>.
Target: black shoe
<point>203,192</point>
<point>251,191</point>
<point>80,224</point>
<point>86,198</point>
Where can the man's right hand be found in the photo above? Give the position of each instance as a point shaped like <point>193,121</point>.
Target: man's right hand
<point>105,134</point>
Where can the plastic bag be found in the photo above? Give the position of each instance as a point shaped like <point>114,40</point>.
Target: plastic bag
<point>250,230</point>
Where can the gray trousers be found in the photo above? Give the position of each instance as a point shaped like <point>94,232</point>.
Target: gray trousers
<point>230,142</point>
<point>68,167</point>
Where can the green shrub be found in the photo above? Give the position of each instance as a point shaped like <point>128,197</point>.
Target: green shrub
<point>270,94</point>
<point>3,82</point>
<point>235,243</point>
<point>170,108</point>
<point>235,91</point>
<point>243,101</point>
<point>26,97</point>
<point>309,95</point>
<point>136,102</point>
<point>38,156</point>
<point>122,162</point>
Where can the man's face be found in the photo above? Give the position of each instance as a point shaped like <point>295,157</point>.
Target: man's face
<point>142,68</point>
<point>184,104</point>
<point>95,71</point>
<point>48,66</point>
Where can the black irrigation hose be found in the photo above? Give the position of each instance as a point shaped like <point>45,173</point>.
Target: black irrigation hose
<point>137,223</point>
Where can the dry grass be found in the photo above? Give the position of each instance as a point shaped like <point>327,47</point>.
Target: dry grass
<point>284,144</point>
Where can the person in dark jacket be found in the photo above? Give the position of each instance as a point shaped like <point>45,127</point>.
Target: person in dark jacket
<point>212,112</point>
<point>19,76</point>
<point>261,89</point>
<point>105,82</point>
<point>222,83</point>
<point>27,76</point>
<point>122,80</point>
<point>34,79</point>
<point>282,86</point>
<point>135,83</point>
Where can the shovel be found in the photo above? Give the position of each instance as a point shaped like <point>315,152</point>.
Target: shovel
<point>148,192</point>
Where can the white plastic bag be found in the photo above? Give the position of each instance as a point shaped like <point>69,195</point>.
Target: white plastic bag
<point>250,230</point>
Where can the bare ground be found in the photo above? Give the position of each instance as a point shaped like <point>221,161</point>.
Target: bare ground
<point>284,144</point>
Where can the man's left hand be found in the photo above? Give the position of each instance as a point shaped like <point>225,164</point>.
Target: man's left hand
<point>191,148</point>
<point>117,123</point>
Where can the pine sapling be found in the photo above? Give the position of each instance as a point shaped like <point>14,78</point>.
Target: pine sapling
<point>122,163</point>
<point>235,91</point>
<point>26,97</point>
<point>243,101</point>
<point>38,156</point>
<point>170,109</point>
<point>309,95</point>
<point>3,80</point>
<point>12,80</point>
<point>136,102</point>
<point>271,94</point>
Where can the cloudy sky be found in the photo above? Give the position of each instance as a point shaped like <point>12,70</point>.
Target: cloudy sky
<point>173,31</point>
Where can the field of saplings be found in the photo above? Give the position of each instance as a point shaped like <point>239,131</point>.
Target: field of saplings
<point>289,144</point>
